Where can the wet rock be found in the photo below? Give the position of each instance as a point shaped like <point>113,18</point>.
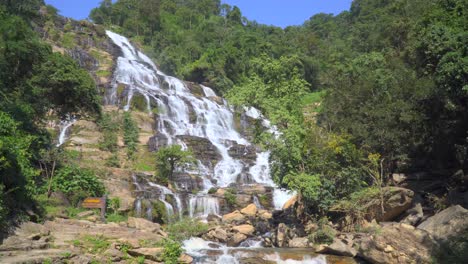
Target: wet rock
<point>265,215</point>
<point>447,223</point>
<point>143,224</point>
<point>250,210</point>
<point>218,235</point>
<point>298,242</point>
<point>396,243</point>
<point>236,239</point>
<point>281,235</point>
<point>244,229</point>
<point>234,217</point>
<point>185,259</point>
<point>149,253</point>
<point>290,203</point>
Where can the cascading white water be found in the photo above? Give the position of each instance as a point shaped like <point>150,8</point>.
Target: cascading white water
<point>214,121</point>
<point>166,191</point>
<point>64,126</point>
<point>202,206</point>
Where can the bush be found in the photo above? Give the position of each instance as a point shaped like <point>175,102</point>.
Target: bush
<point>172,251</point>
<point>113,161</point>
<point>325,233</point>
<point>130,136</point>
<point>77,183</point>
<point>109,128</point>
<point>230,198</point>
<point>3,208</point>
<point>186,228</point>
<point>212,190</point>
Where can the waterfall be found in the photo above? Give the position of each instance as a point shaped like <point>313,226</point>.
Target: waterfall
<point>214,121</point>
<point>64,127</point>
<point>162,197</point>
<point>202,206</point>
<point>183,113</point>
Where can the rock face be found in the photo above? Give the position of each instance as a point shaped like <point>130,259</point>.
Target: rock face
<point>143,224</point>
<point>397,243</point>
<point>396,201</point>
<point>448,223</point>
<point>148,253</point>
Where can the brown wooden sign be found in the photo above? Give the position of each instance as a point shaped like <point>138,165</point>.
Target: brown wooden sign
<point>96,203</point>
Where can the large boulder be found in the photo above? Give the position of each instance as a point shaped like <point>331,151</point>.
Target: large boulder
<point>236,217</point>
<point>244,229</point>
<point>299,242</point>
<point>396,201</point>
<point>218,235</point>
<point>447,223</point>
<point>236,239</point>
<point>250,210</point>
<point>340,247</point>
<point>397,243</point>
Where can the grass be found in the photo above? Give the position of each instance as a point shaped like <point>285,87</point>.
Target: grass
<point>116,218</point>
<point>186,228</point>
<point>103,73</point>
<point>95,244</point>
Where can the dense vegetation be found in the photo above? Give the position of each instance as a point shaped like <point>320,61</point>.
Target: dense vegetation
<point>35,85</point>
<point>382,87</point>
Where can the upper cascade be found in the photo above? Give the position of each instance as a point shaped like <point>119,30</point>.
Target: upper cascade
<point>182,114</point>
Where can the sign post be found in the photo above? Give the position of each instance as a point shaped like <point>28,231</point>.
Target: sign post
<point>96,203</point>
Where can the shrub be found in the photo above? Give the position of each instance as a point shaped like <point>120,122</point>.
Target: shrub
<point>172,251</point>
<point>186,228</point>
<point>113,161</point>
<point>77,183</point>
<point>109,128</point>
<point>325,233</point>
<point>212,190</point>
<point>230,198</point>
<point>130,136</point>
<point>3,208</point>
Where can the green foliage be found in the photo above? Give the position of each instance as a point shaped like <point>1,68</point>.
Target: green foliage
<point>185,229</point>
<point>95,243</point>
<point>168,158</point>
<point>230,198</point>
<point>324,234</point>
<point>113,161</point>
<point>212,190</point>
<point>172,251</point>
<point>3,208</point>
<point>77,183</point>
<point>130,130</point>
<point>108,124</point>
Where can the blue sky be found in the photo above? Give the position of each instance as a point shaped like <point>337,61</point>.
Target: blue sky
<point>272,12</point>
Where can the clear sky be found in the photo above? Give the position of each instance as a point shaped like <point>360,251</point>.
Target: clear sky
<point>272,12</point>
